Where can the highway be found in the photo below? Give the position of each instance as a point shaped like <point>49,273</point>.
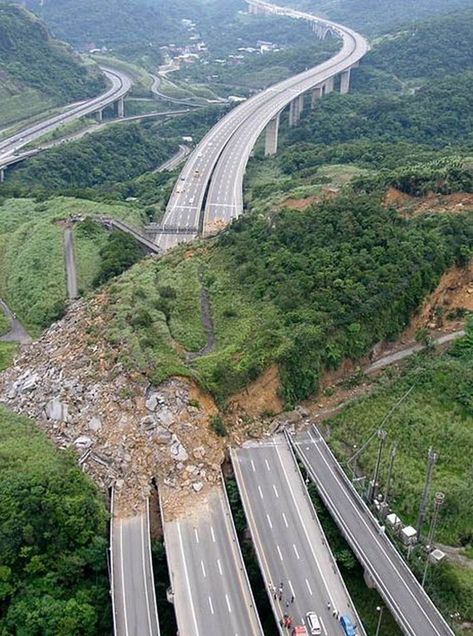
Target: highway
<point>218,163</point>
<point>407,601</point>
<point>121,84</point>
<point>288,538</point>
<point>132,582</point>
<point>211,592</point>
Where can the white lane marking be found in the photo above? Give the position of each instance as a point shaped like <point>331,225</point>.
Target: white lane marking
<point>279,552</point>
<point>219,567</point>
<point>260,492</point>
<point>186,574</point>
<point>123,578</point>
<point>196,535</point>
<point>144,572</point>
<point>253,466</point>
<point>308,587</point>
<point>203,568</point>
<point>211,606</point>
<point>269,521</point>
<point>285,520</point>
<point>275,491</point>
<point>295,550</point>
<point>267,464</point>
<point>290,585</point>
<point>212,533</point>
<point>323,626</point>
<point>228,603</point>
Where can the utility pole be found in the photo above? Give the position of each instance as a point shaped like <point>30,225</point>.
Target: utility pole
<point>373,486</point>
<point>384,504</point>
<point>432,460</point>
<point>379,609</point>
<point>438,502</point>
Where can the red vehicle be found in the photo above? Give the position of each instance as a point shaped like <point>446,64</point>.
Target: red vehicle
<point>300,630</point>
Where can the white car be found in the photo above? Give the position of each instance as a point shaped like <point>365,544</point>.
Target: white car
<point>313,624</point>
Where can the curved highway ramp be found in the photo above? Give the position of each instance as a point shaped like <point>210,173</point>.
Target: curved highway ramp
<point>132,582</point>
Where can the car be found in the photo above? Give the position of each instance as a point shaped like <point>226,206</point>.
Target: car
<point>349,628</point>
<point>313,624</point>
<point>299,630</point>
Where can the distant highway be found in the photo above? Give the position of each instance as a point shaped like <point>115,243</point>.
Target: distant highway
<point>121,84</point>
<point>132,581</point>
<point>212,595</point>
<point>410,605</point>
<point>219,161</point>
<point>288,539</point>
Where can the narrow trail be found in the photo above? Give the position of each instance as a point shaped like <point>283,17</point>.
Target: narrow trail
<point>70,263</point>
<point>175,160</point>
<point>207,323</point>
<point>17,332</point>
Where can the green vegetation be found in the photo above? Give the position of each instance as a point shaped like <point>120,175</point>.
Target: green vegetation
<point>4,323</point>
<point>437,413</point>
<point>280,292</point>
<point>118,254</point>
<point>37,72</point>
<point>32,274</point>
<point>53,523</point>
<point>7,352</point>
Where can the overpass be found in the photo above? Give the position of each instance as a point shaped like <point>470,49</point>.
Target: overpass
<point>209,586</point>
<point>120,86</point>
<point>289,541</point>
<point>384,566</point>
<point>131,576</point>
<point>208,193</point>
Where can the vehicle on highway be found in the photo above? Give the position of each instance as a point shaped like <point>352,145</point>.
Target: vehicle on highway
<point>300,630</point>
<point>313,624</point>
<point>191,200</point>
<point>348,628</point>
<point>196,173</point>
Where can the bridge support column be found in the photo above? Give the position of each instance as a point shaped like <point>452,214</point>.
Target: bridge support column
<point>329,85</point>
<point>271,141</point>
<point>300,106</point>
<point>99,115</point>
<point>370,584</point>
<point>315,96</point>
<point>121,108</point>
<point>293,114</point>
<point>2,175</point>
<point>345,82</point>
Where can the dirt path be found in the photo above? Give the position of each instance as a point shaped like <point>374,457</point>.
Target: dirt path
<point>17,332</point>
<point>69,258</point>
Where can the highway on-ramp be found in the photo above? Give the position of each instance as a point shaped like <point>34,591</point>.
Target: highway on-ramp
<point>211,592</point>
<point>409,604</point>
<point>288,539</point>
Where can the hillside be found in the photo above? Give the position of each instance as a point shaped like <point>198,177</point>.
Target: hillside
<point>36,71</point>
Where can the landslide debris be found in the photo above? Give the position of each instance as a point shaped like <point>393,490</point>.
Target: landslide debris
<point>125,430</point>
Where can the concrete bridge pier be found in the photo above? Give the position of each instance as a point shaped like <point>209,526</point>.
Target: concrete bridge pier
<point>370,584</point>
<point>345,82</point>
<point>329,85</point>
<point>121,108</point>
<point>315,96</point>
<point>99,115</point>
<point>2,175</point>
<point>293,112</point>
<point>271,140</point>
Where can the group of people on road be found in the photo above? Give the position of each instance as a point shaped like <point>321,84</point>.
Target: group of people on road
<point>277,592</point>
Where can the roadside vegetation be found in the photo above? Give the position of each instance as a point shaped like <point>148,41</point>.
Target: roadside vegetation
<point>36,71</point>
<point>53,529</point>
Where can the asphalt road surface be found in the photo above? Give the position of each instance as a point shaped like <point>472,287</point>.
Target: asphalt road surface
<point>212,595</point>
<point>134,600</point>
<point>288,538</point>
<point>17,332</point>
<point>409,604</point>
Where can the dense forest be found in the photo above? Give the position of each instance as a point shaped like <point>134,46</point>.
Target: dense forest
<point>53,539</point>
<point>29,57</point>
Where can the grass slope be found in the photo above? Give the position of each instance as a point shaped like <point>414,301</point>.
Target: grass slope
<point>32,275</point>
